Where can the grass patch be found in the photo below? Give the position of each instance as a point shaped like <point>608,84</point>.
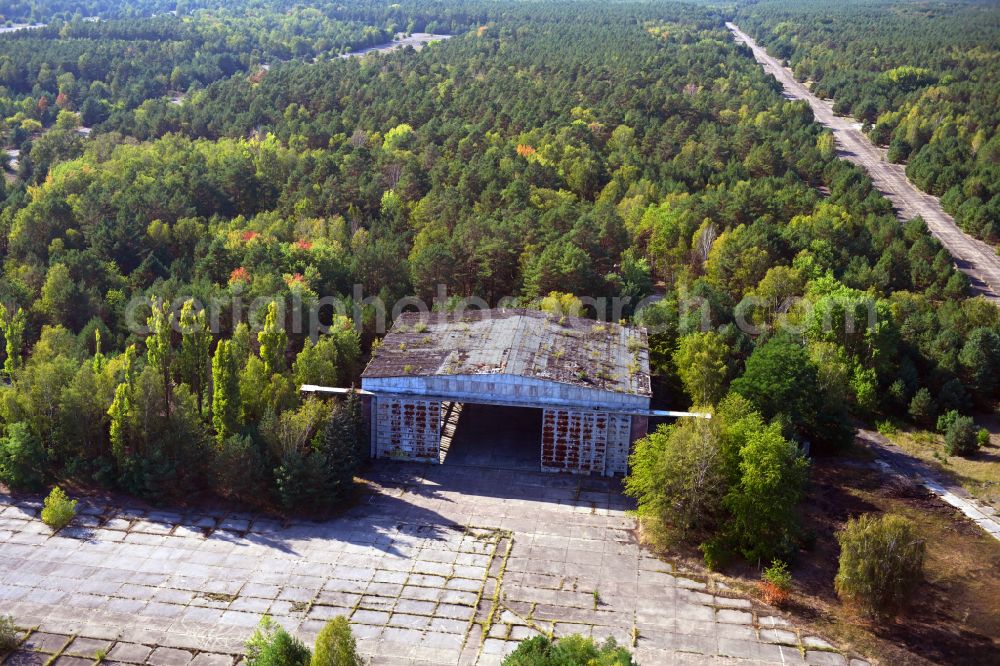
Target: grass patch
<point>300,606</point>
<point>495,602</point>
<point>978,473</point>
<point>8,634</point>
<point>956,618</point>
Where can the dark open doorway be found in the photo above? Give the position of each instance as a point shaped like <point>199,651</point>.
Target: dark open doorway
<point>494,436</point>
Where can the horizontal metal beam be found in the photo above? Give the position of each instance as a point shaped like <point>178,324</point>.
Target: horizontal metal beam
<point>547,402</point>
<point>667,412</point>
<point>313,388</point>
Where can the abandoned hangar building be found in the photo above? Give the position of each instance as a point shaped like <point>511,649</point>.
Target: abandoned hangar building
<point>556,393</point>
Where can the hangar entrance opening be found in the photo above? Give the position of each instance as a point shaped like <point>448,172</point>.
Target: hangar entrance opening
<point>579,441</point>
<point>491,436</point>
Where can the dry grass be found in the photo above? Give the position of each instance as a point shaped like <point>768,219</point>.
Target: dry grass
<point>956,616</point>
<point>979,473</point>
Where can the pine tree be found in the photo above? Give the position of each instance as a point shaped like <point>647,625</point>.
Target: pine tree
<point>310,481</point>
<point>342,446</point>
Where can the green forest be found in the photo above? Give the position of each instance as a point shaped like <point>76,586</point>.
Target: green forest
<point>923,77</point>
<point>592,149</point>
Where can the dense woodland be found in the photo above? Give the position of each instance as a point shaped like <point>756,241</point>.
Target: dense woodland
<point>597,149</point>
<point>923,76</point>
<point>105,69</point>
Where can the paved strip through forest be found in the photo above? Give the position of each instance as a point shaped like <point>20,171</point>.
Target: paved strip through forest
<point>893,460</point>
<point>973,257</point>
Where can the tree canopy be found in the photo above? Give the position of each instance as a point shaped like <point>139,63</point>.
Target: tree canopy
<point>548,154</point>
<point>923,78</point>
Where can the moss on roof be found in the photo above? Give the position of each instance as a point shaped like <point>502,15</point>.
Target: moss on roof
<point>527,343</point>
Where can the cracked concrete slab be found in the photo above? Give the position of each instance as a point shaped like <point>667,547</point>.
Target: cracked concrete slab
<point>439,565</point>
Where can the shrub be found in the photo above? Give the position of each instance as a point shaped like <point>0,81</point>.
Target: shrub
<point>887,428</point>
<point>776,583</point>
<point>22,458</point>
<point>271,645</point>
<point>983,437</point>
<point>961,439</point>
<point>240,468</point>
<point>881,564</point>
<point>716,553</point>
<point>8,634</point>
<point>571,650</point>
<point>897,393</point>
<point>922,407</point>
<point>335,646</point>
<point>58,510</point>
<point>945,421</point>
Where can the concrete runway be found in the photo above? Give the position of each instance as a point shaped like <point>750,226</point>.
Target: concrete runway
<point>434,565</point>
<point>976,259</point>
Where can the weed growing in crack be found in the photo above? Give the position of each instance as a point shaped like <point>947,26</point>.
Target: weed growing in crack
<point>8,634</point>
<point>300,606</point>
